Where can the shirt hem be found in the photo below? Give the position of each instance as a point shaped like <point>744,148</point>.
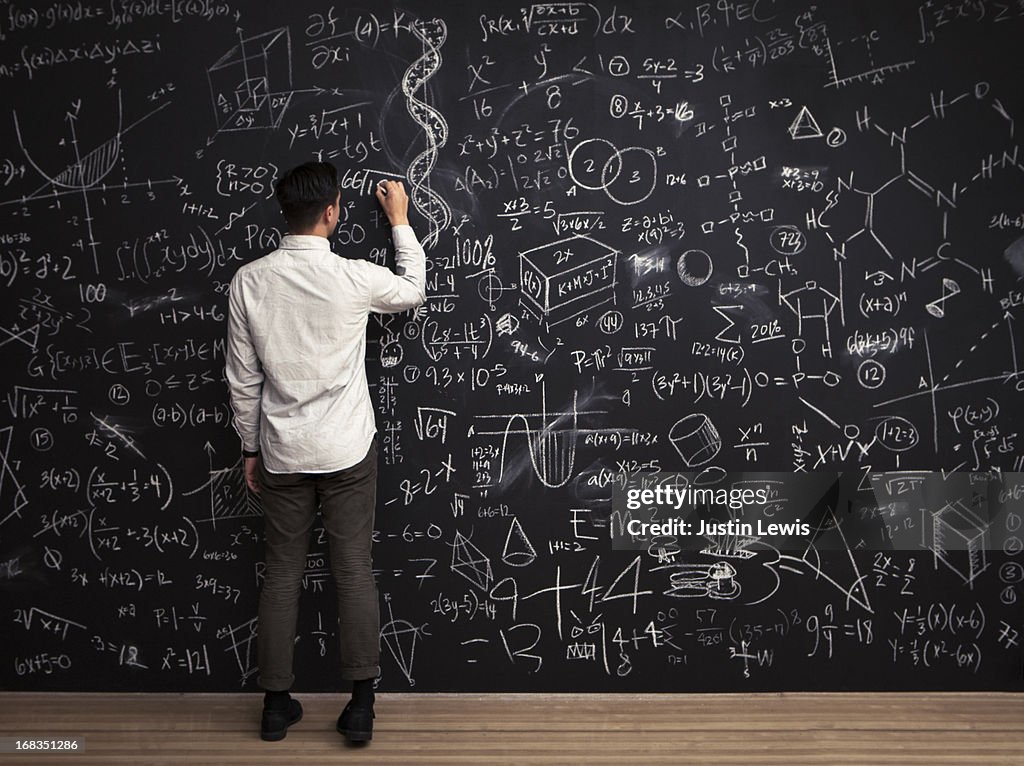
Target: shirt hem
<point>366,451</point>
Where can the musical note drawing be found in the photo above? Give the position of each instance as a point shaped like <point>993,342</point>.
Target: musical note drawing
<point>937,307</point>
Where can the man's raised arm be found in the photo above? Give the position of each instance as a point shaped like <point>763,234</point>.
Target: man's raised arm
<point>405,287</point>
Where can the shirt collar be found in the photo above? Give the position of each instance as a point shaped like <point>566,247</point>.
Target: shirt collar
<point>304,242</point>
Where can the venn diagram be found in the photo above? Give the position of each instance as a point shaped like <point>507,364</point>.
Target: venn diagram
<point>628,176</point>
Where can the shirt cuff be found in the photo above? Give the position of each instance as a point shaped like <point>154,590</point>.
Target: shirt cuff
<point>404,231</point>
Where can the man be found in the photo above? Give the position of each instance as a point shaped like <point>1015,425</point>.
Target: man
<point>295,365</point>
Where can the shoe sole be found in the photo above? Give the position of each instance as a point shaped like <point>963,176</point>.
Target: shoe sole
<point>278,735</point>
<point>355,736</point>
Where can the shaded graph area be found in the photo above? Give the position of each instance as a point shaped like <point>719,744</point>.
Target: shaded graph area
<point>91,171</point>
<point>226,493</point>
<point>551,441</point>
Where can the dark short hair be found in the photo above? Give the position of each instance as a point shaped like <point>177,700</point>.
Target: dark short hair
<point>304,191</point>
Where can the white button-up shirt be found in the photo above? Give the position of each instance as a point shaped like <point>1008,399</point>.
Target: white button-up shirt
<point>296,348</point>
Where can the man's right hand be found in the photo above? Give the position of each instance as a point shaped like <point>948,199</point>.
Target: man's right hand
<point>394,200</point>
<point>251,477</point>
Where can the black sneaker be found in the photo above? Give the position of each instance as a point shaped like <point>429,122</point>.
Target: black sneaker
<point>276,722</point>
<point>356,723</point>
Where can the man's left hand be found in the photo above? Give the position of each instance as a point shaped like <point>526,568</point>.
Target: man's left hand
<point>250,474</point>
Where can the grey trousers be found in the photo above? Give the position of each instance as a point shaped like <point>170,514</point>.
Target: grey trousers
<point>347,502</point>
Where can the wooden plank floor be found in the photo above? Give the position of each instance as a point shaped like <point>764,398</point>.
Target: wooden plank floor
<point>866,729</point>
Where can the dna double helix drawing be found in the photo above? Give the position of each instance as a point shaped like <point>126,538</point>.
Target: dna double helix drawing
<point>432,34</point>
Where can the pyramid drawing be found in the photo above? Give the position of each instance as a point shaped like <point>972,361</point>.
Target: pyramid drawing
<point>804,126</point>
<point>470,562</point>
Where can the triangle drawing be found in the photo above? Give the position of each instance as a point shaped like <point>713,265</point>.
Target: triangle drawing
<point>400,638</point>
<point>12,492</point>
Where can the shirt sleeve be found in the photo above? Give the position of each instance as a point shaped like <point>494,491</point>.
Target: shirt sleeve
<point>405,287</point>
<point>244,371</point>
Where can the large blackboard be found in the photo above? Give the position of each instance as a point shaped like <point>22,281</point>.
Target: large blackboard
<point>772,236</point>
